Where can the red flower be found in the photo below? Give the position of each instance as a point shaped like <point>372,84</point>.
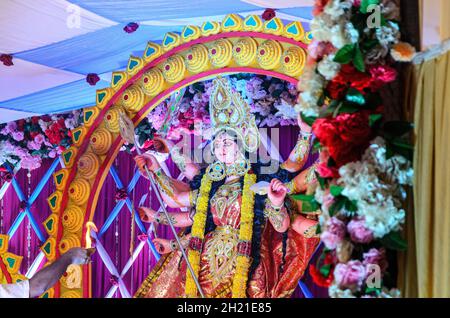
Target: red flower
<point>35,120</point>
<point>349,75</point>
<point>345,136</point>
<point>327,172</point>
<point>319,279</point>
<point>33,134</point>
<point>354,128</point>
<point>319,5</point>
<point>336,89</point>
<point>92,79</point>
<point>381,75</point>
<point>21,124</point>
<point>6,59</point>
<point>268,14</point>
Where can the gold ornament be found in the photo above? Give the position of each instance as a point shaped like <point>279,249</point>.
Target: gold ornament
<point>269,54</point>
<point>229,111</point>
<point>152,82</point>
<point>293,61</point>
<point>197,59</point>
<point>71,294</point>
<point>101,141</point>
<point>88,165</point>
<point>69,241</point>
<point>112,119</point>
<point>73,278</point>
<point>244,51</point>
<point>79,191</point>
<point>132,99</point>
<point>221,53</point>
<point>216,171</point>
<point>174,69</point>
<point>73,218</point>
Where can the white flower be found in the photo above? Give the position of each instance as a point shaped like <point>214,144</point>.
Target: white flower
<point>335,292</point>
<point>351,33</point>
<point>328,68</point>
<point>389,34</point>
<point>285,110</point>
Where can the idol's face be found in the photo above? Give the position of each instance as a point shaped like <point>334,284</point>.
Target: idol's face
<point>226,149</point>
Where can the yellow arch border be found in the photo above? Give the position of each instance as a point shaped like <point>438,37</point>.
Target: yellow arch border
<point>235,45</point>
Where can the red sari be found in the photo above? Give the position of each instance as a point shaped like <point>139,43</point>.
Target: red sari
<point>218,258</point>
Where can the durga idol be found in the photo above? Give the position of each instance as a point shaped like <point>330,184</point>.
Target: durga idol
<point>239,243</point>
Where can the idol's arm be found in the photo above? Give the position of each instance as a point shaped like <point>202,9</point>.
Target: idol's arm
<point>299,155</point>
<point>186,166</point>
<point>165,246</point>
<point>170,188</point>
<point>179,219</point>
<point>274,208</point>
<point>301,181</point>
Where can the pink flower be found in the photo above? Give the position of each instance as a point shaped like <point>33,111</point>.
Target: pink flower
<point>317,49</point>
<point>32,145</point>
<point>350,276</point>
<point>39,139</point>
<point>9,128</point>
<point>359,233</point>
<point>376,257</point>
<point>334,233</point>
<point>17,135</point>
<point>30,162</point>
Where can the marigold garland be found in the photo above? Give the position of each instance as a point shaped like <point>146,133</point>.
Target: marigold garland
<point>198,230</point>
<point>245,234</point>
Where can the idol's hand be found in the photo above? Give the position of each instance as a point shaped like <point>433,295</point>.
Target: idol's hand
<point>277,192</point>
<point>162,145</point>
<point>146,160</point>
<point>147,215</point>
<point>163,246</point>
<point>304,127</point>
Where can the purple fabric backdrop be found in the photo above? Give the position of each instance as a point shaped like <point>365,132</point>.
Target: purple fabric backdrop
<point>116,240</point>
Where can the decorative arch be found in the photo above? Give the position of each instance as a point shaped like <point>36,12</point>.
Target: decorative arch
<point>235,45</point>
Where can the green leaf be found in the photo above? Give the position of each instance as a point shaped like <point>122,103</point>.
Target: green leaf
<point>318,229</point>
<point>321,180</point>
<point>337,205</point>
<point>345,54</point>
<point>303,197</point>
<point>369,44</point>
<point>310,206</point>
<point>358,60</point>
<point>309,120</point>
<point>336,190</point>
<point>366,3</point>
<point>349,108</point>
<point>351,206</point>
<point>394,241</point>
<point>355,96</point>
<point>374,119</point>
<point>325,270</point>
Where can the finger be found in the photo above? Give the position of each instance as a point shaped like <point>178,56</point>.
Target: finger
<point>90,251</point>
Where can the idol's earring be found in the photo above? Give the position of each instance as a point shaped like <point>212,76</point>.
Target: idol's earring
<point>216,171</point>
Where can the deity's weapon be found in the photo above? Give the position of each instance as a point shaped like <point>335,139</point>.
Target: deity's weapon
<point>127,133</point>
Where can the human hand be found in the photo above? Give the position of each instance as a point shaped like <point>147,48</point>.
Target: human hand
<point>79,256</point>
<point>146,160</point>
<point>163,246</point>
<point>277,192</point>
